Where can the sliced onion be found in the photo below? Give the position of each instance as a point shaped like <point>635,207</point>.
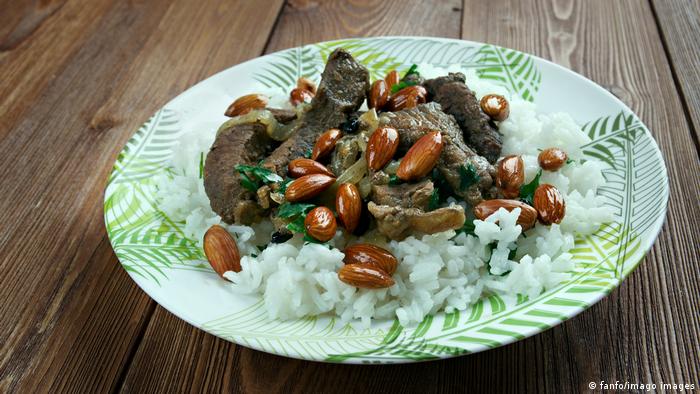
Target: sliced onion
<point>354,173</point>
<point>364,186</point>
<point>260,116</point>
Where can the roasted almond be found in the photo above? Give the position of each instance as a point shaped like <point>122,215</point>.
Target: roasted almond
<point>378,95</point>
<point>381,147</point>
<point>373,255</point>
<point>325,143</point>
<point>510,175</point>
<point>245,104</point>
<point>527,216</point>
<point>365,276</point>
<point>306,84</point>
<point>552,159</point>
<point>421,158</point>
<point>348,204</point>
<point>320,224</point>
<point>406,98</point>
<point>495,106</point>
<point>298,96</point>
<point>221,250</point>
<point>391,79</point>
<point>549,204</point>
<point>308,186</point>
<point>303,166</point>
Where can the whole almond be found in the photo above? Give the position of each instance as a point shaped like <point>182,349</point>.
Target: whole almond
<point>552,159</point>
<point>526,219</point>
<point>421,157</point>
<point>495,106</point>
<point>325,143</point>
<point>306,84</point>
<point>365,276</point>
<point>298,96</point>
<point>510,175</point>
<point>549,204</point>
<point>221,250</point>
<point>373,255</point>
<point>303,166</point>
<point>245,104</point>
<point>381,147</point>
<point>378,95</point>
<point>406,98</point>
<point>391,79</point>
<point>348,204</point>
<point>308,186</point>
<point>320,224</point>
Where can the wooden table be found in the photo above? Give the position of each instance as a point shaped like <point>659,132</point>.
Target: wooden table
<point>77,77</point>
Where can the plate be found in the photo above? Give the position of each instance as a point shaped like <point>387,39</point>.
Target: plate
<point>170,267</point>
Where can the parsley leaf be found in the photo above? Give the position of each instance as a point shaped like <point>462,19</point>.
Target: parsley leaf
<point>467,176</point>
<point>248,183</point>
<point>259,173</point>
<point>413,70</point>
<point>394,180</point>
<point>290,210</point>
<point>308,153</point>
<point>296,213</point>
<point>434,202</point>
<point>528,191</point>
<point>467,228</point>
<point>297,225</point>
<point>201,165</point>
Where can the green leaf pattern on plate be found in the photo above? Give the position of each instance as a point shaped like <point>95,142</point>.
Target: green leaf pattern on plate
<point>149,244</point>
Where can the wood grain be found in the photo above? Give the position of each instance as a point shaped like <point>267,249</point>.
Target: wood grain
<point>79,84</point>
<point>679,22</point>
<point>79,76</point>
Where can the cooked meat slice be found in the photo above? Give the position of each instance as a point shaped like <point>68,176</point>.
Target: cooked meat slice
<point>459,101</point>
<point>283,115</point>
<point>397,223</point>
<point>236,144</point>
<point>347,151</point>
<point>405,195</point>
<point>415,122</point>
<point>342,91</point>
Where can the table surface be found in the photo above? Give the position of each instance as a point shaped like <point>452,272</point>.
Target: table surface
<point>77,77</point>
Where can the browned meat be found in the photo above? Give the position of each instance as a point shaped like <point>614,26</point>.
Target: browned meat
<point>346,152</point>
<point>283,115</point>
<point>398,223</point>
<point>459,101</point>
<point>238,144</point>
<point>415,122</point>
<point>342,90</point>
<point>405,195</point>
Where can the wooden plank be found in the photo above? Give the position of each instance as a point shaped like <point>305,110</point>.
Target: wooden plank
<point>635,333</point>
<point>679,22</point>
<point>646,331</point>
<point>214,365</point>
<point>80,84</point>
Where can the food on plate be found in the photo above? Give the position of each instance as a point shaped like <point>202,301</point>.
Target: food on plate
<point>418,192</point>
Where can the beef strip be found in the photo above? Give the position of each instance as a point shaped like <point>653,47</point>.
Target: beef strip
<point>406,195</point>
<point>235,144</point>
<point>397,223</point>
<point>342,91</point>
<point>415,122</point>
<point>459,101</point>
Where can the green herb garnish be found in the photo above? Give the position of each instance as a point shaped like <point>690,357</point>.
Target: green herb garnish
<point>252,177</point>
<point>311,239</point>
<point>395,180</point>
<point>467,228</point>
<point>528,191</point>
<point>413,70</point>
<point>308,153</point>
<point>290,210</point>
<point>201,165</point>
<point>467,176</point>
<point>434,202</point>
<point>296,213</point>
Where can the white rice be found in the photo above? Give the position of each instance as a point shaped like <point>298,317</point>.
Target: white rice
<point>436,272</point>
